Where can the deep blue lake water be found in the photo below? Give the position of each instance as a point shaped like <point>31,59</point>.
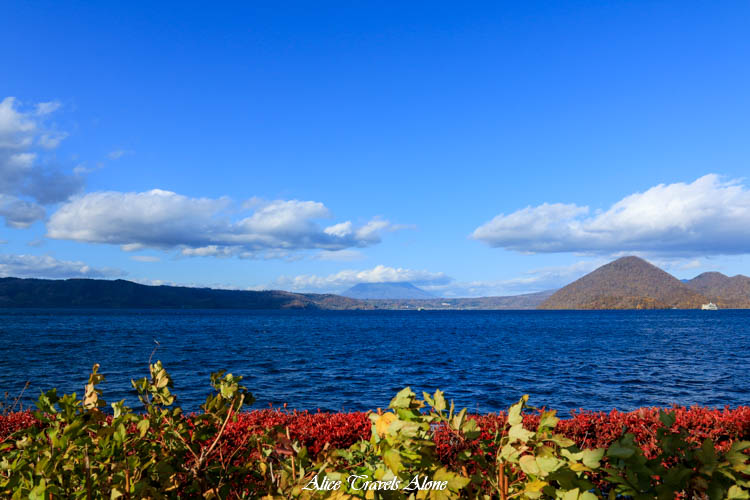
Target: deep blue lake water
<point>358,360</point>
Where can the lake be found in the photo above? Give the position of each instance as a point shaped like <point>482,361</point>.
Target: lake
<point>357,360</point>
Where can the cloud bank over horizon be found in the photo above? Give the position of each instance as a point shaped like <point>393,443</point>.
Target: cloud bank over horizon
<point>45,266</point>
<point>350,277</point>
<point>706,217</point>
<point>439,283</point>
<point>203,227</point>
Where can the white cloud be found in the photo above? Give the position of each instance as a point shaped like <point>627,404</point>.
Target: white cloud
<point>438,283</point>
<point>118,153</point>
<point>345,255</point>
<point>18,213</point>
<point>16,127</point>
<point>706,217</point>
<point>51,140</point>
<point>208,251</point>
<point>145,258</point>
<point>214,285</point>
<point>370,232</point>
<point>341,230</point>
<point>348,278</point>
<point>45,108</point>
<point>26,183</point>
<point>535,280</point>
<point>205,226</point>
<point>44,266</point>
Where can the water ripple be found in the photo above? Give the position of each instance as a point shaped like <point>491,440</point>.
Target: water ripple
<point>358,360</point>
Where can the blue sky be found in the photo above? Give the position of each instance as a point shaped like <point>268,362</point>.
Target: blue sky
<point>491,148</point>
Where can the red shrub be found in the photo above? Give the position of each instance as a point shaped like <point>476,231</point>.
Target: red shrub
<point>599,429</point>
<point>313,430</point>
<point>587,429</point>
<point>12,422</point>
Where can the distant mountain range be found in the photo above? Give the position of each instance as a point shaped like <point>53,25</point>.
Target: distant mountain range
<point>626,283</point>
<point>393,290</point>
<point>633,283</point>
<point>90,293</point>
<point>93,293</point>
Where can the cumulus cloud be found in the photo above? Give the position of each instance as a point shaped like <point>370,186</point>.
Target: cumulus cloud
<point>19,213</point>
<point>706,217</point>
<point>206,226</point>
<point>44,266</point>
<point>27,183</point>
<point>348,278</point>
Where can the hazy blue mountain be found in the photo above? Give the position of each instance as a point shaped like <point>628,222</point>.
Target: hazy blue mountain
<point>509,302</point>
<point>386,291</point>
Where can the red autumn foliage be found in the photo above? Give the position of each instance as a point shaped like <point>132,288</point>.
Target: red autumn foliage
<point>313,430</point>
<point>12,422</point>
<point>600,429</point>
<point>587,429</point>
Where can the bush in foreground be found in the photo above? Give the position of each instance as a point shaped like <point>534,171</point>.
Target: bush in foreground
<point>418,448</point>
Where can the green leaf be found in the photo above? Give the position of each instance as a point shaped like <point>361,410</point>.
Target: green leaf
<point>403,399</point>
<point>571,494</point>
<point>668,419</point>
<point>142,427</point>
<point>514,413</point>
<point>508,452</point>
<point>548,463</point>
<point>616,450</point>
<point>548,420</point>
<point>561,440</point>
<point>591,458</point>
<point>518,433</point>
<point>439,399</point>
<point>736,493</point>
<point>73,427</point>
<point>38,493</point>
<point>707,453</point>
<point>392,459</point>
<point>458,420</point>
<point>455,481</point>
<point>528,465</point>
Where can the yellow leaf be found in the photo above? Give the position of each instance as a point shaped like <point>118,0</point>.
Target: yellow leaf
<point>535,486</point>
<point>578,467</point>
<point>383,422</point>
